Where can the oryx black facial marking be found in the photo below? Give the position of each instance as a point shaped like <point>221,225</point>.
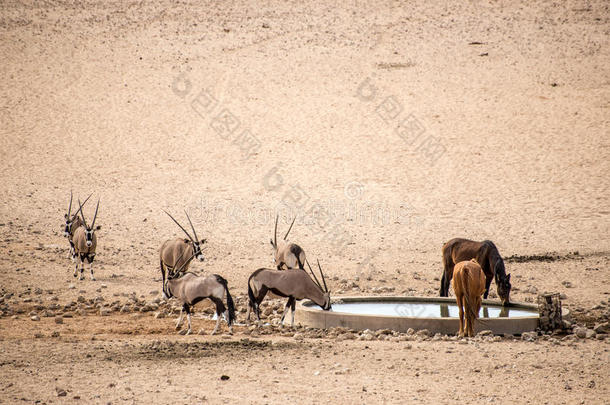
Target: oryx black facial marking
<point>85,242</point>
<point>71,224</point>
<point>173,252</point>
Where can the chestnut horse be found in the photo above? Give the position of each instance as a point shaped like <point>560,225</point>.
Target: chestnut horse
<point>468,285</point>
<point>488,257</point>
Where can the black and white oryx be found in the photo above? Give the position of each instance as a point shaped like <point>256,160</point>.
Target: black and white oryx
<point>287,253</point>
<point>190,289</point>
<point>294,284</point>
<point>72,222</point>
<point>85,242</point>
<point>173,252</point>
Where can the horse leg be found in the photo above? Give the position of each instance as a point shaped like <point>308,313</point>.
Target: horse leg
<point>487,284</point>
<point>460,303</point>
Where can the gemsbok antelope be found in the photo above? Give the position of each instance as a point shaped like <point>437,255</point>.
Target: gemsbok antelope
<point>294,284</point>
<point>174,251</point>
<point>85,242</point>
<point>72,222</point>
<point>190,289</point>
<point>287,253</point>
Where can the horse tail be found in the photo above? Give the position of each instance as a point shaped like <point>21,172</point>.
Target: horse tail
<point>230,303</point>
<point>469,305</point>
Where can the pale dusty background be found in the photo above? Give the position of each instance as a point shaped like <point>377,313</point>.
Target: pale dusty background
<point>89,103</point>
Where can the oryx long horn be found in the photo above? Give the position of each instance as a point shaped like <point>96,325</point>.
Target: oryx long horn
<point>80,207</point>
<point>95,215</point>
<point>285,236</point>
<point>81,213</point>
<point>313,274</point>
<point>184,264</point>
<point>192,227</point>
<point>70,206</point>
<point>275,232</point>
<point>187,234</point>
<point>322,273</point>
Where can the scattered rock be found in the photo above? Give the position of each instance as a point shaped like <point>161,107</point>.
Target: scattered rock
<point>567,284</point>
<point>224,377</point>
<point>60,392</point>
<point>486,332</point>
<point>71,287</point>
<point>602,328</point>
<point>55,334</point>
<point>35,318</point>
<point>529,336</point>
<point>160,315</point>
<point>59,319</point>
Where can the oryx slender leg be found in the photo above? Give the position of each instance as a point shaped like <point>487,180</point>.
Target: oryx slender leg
<point>289,305</point>
<point>217,324</point>
<point>179,323</point>
<point>75,267</point>
<point>90,260</point>
<point>188,318</point>
<point>292,306</point>
<point>82,266</point>
<point>261,295</point>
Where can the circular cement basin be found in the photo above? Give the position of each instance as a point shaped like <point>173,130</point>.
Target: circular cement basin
<point>437,315</point>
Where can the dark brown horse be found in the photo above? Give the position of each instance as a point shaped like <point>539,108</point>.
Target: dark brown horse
<point>486,254</point>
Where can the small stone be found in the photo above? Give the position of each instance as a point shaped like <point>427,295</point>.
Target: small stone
<point>35,318</point>
<point>104,312</point>
<point>60,392</point>
<point>580,332</point>
<point>485,332</point>
<point>224,377</point>
<point>422,332</point>
<point>59,319</point>
<point>55,334</point>
<point>602,328</point>
<point>529,336</point>
<point>160,315</point>
<point>71,287</point>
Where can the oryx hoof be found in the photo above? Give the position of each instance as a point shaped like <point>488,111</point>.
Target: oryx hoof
<point>184,332</point>
<point>92,278</point>
<point>81,278</point>
<point>178,327</point>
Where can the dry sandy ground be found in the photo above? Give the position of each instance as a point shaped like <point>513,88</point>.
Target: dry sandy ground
<point>351,104</point>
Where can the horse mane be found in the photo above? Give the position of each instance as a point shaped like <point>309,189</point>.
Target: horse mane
<point>496,262</point>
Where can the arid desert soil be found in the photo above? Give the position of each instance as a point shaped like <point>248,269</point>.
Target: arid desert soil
<point>387,127</point>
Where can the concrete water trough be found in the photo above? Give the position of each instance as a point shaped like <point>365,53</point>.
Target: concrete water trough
<point>437,315</point>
